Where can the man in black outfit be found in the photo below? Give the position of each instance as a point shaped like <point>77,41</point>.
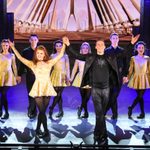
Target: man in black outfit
<point>28,54</point>
<point>122,67</point>
<point>101,73</point>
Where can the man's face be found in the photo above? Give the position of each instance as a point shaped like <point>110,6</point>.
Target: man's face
<point>100,46</point>
<point>34,41</point>
<point>114,40</point>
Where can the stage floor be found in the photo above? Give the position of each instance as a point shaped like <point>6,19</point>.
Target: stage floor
<point>19,129</point>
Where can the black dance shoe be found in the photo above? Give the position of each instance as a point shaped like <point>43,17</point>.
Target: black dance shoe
<point>79,112</point>
<point>114,117</point>
<point>50,112</point>
<point>141,116</point>
<point>6,116</point>
<point>60,114</point>
<point>86,115</point>
<point>1,113</point>
<point>129,112</point>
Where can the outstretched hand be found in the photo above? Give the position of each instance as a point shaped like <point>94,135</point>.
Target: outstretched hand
<point>66,40</point>
<point>134,39</point>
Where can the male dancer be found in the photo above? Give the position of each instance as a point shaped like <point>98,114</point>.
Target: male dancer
<point>28,54</point>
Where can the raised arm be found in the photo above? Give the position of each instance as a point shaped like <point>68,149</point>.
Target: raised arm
<point>67,66</point>
<point>74,70</point>
<point>22,59</point>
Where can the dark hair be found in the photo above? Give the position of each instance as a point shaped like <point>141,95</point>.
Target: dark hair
<point>35,35</point>
<point>54,45</point>
<point>112,34</point>
<point>46,57</point>
<point>136,45</point>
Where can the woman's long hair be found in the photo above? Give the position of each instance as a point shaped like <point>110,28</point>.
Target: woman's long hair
<point>46,57</point>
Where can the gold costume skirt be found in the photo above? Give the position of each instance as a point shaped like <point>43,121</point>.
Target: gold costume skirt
<point>58,78</point>
<point>139,82</point>
<point>7,79</point>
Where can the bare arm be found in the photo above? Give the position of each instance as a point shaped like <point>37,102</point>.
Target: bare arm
<point>74,70</point>
<point>67,67</point>
<point>22,59</point>
<point>54,60</point>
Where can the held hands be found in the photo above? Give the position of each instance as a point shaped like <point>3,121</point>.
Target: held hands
<point>66,40</point>
<point>134,39</point>
<point>125,80</point>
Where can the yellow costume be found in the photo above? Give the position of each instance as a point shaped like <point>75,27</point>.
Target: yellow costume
<point>79,64</point>
<point>8,70</point>
<point>42,85</point>
<point>61,71</point>
<point>139,73</point>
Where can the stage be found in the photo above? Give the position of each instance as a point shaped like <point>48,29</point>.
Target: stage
<point>19,130</point>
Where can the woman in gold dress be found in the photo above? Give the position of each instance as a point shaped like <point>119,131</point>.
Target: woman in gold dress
<point>42,88</point>
<point>85,92</point>
<point>139,77</point>
<point>8,74</point>
<point>60,77</point>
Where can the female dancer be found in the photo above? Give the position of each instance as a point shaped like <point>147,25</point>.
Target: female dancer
<point>85,92</point>
<point>139,77</point>
<point>8,74</point>
<point>60,77</point>
<point>42,88</point>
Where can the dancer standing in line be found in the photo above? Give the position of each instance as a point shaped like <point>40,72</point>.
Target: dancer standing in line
<point>42,88</point>
<point>60,77</point>
<point>139,77</point>
<point>122,66</point>
<point>30,78</point>
<point>101,73</point>
<point>8,75</point>
<point>85,91</point>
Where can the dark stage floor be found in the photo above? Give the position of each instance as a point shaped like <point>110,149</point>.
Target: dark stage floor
<point>19,129</point>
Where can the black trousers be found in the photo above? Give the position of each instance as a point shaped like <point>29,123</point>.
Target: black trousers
<point>112,104</point>
<point>100,99</point>
<point>30,78</point>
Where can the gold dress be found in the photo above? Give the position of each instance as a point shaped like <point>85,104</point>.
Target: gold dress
<point>139,73</point>
<point>42,85</point>
<point>60,72</point>
<point>79,64</point>
<point>8,70</point>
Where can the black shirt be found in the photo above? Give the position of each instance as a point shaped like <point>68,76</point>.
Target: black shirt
<point>100,72</point>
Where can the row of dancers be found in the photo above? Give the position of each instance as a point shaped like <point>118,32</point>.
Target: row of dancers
<point>100,74</point>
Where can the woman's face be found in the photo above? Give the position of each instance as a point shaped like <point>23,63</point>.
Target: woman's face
<point>85,49</point>
<point>5,46</point>
<point>58,47</point>
<point>140,49</point>
<point>40,55</point>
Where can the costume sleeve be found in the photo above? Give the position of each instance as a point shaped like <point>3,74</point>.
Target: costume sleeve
<point>76,55</point>
<point>131,68</point>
